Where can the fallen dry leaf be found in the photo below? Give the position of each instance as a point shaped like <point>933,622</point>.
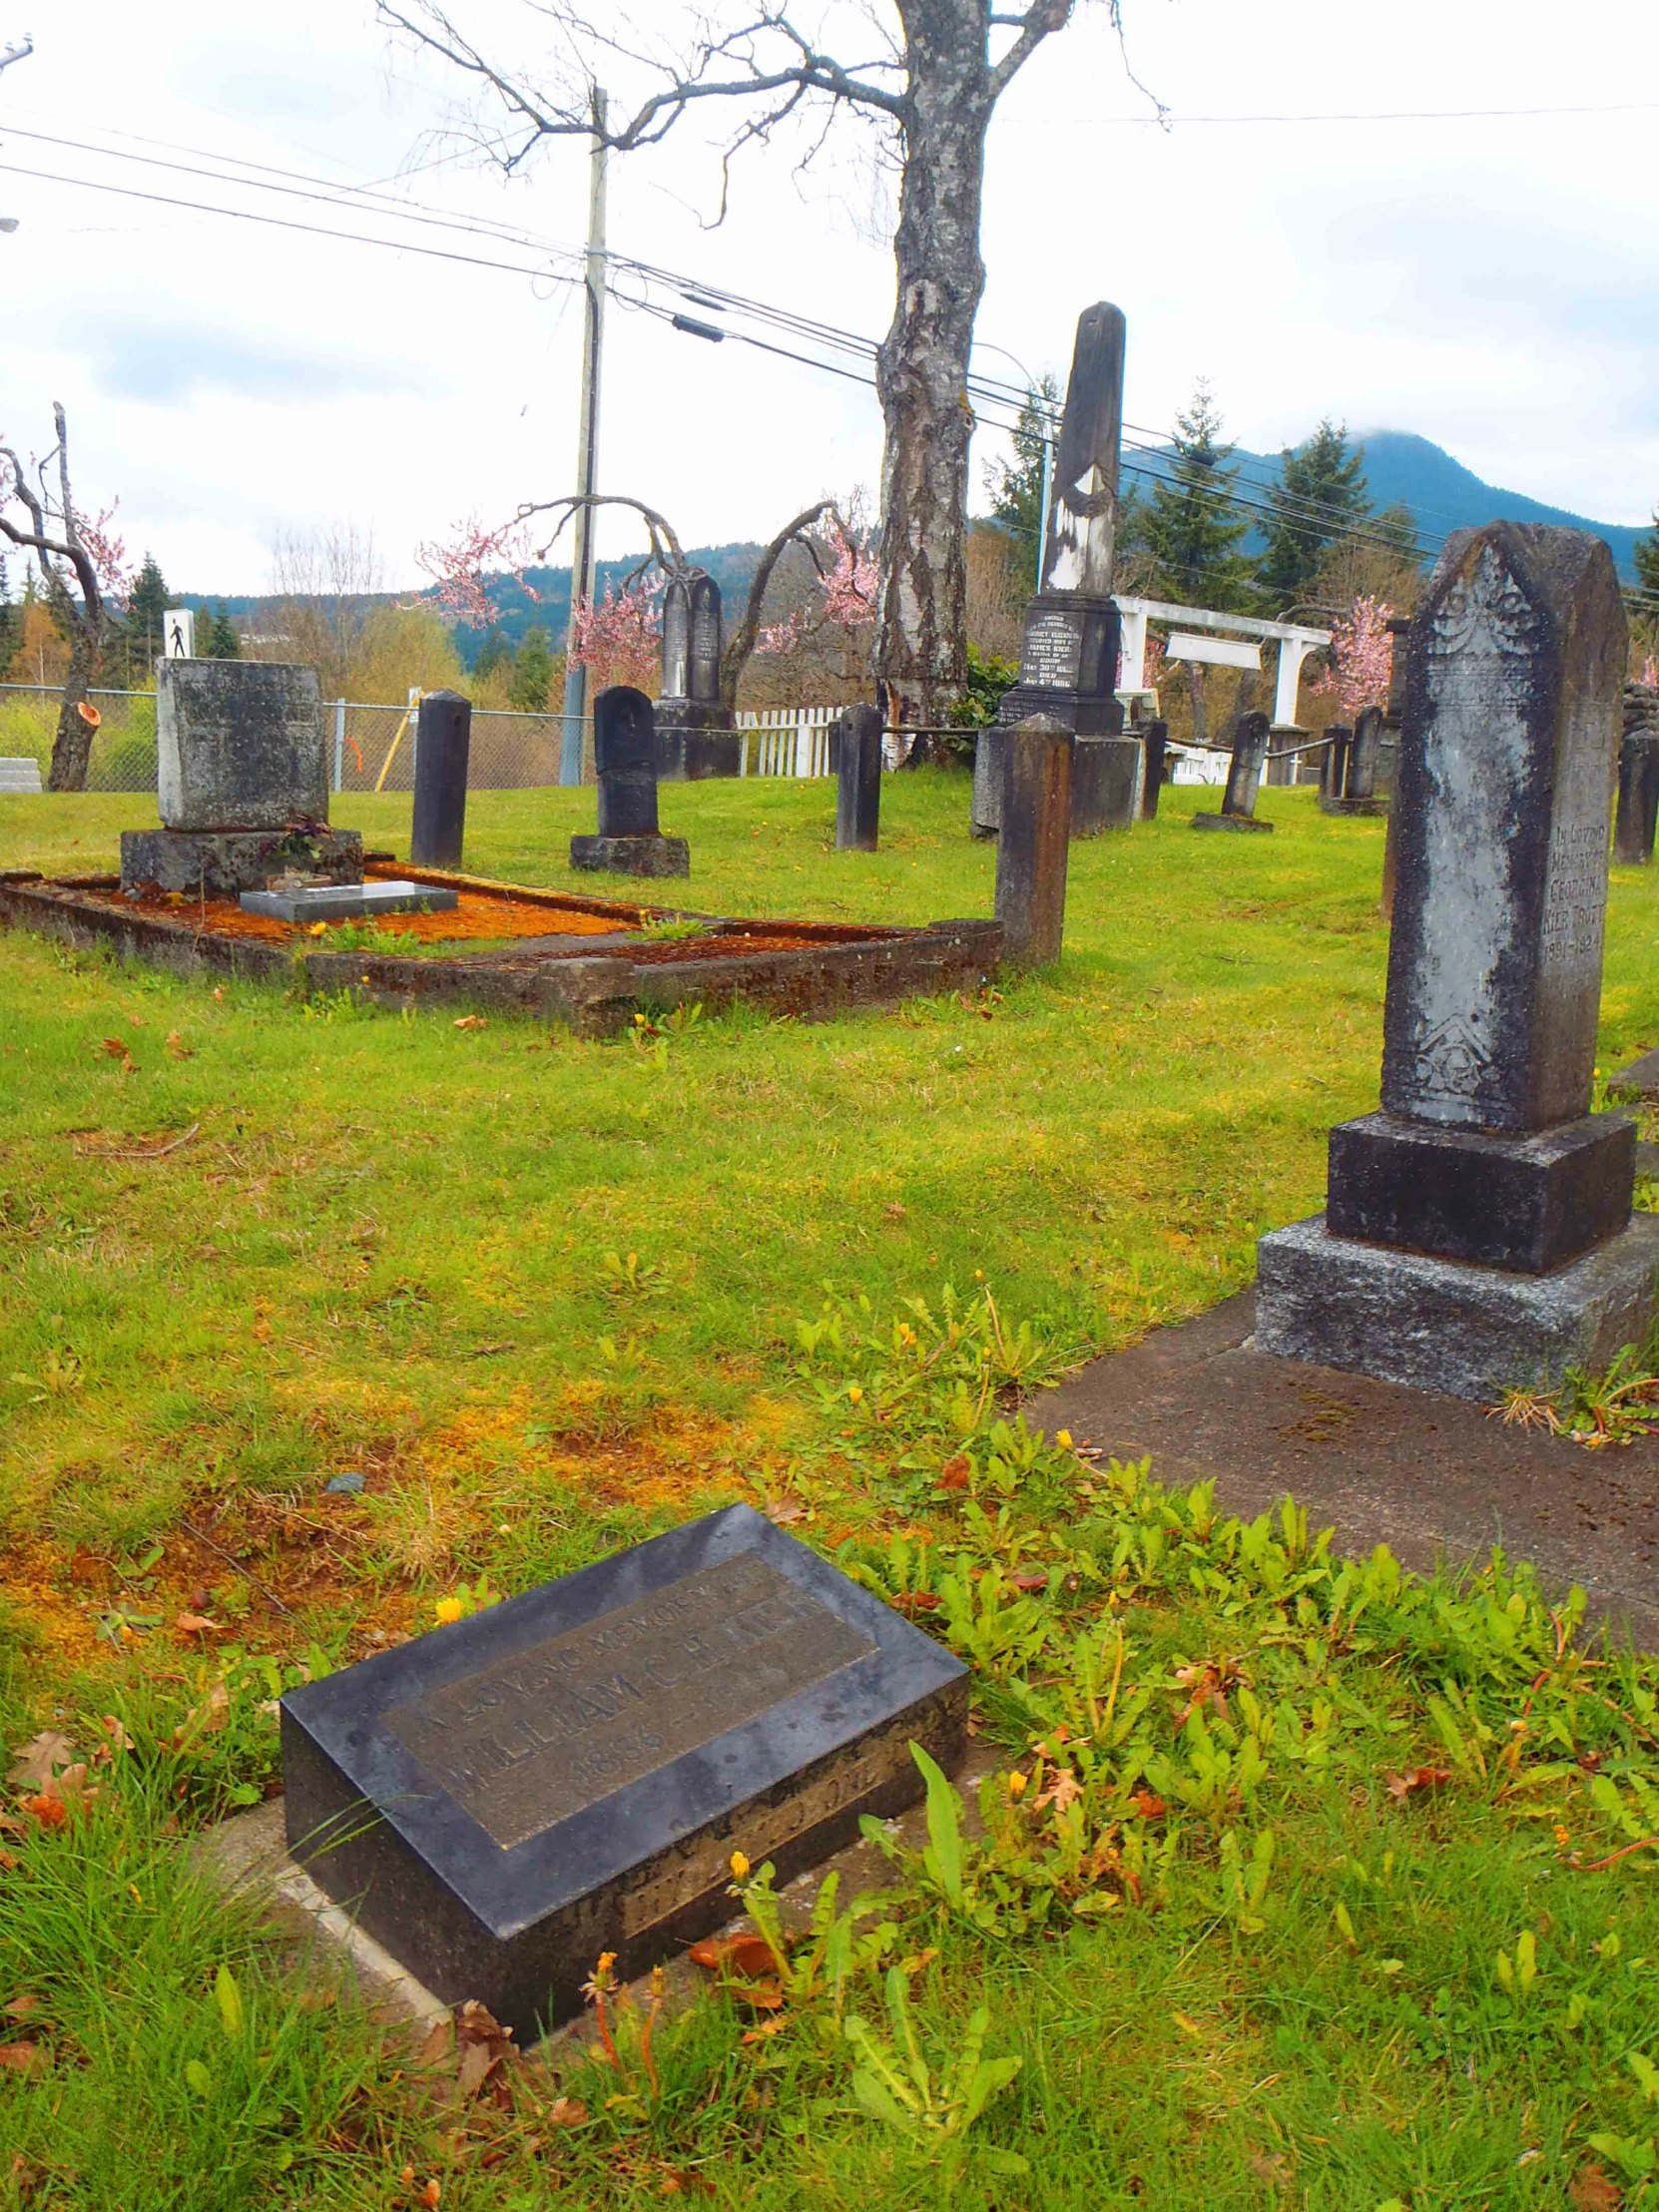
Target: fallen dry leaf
<point>1148,1804</point>
<point>1593,2189</point>
<point>783,1512</point>
<point>567,2113</point>
<point>41,1756</point>
<point>196,1624</point>
<point>1066,1789</point>
<point>1032,1579</point>
<point>19,2057</point>
<point>19,2008</point>
<point>953,1476</point>
<point>176,1047</point>
<point>116,1049</point>
<point>470,1021</point>
<point>916,1601</point>
<point>1406,1785</point>
<point>748,1956</point>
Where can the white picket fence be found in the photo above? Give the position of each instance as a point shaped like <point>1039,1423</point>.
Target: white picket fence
<point>786,740</point>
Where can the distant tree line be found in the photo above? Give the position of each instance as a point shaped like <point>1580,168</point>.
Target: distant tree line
<point>35,644</point>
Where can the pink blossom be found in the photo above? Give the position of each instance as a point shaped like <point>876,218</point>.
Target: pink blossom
<point>847,586</point>
<point>457,565</point>
<point>619,637</point>
<point>1649,677</point>
<point>1361,656</point>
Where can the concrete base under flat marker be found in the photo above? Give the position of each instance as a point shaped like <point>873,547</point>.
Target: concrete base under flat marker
<point>1228,822</point>
<point>247,1856</point>
<point>345,902</point>
<point>1428,1476</point>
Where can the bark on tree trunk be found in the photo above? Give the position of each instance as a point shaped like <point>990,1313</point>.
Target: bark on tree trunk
<point>921,365</point>
<point>71,746</point>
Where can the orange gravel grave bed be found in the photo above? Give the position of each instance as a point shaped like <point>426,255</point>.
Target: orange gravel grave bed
<point>476,914</point>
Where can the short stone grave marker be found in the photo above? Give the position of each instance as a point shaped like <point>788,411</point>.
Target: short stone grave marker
<point>859,780</point>
<point>629,841</point>
<point>444,741</point>
<point>1637,811</point>
<point>569,1773</point>
<point>1031,849</point>
<point>1477,1230</point>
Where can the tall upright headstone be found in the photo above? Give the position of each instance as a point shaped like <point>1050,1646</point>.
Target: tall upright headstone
<point>1243,777</point>
<point>1477,1230</point>
<point>859,780</point>
<point>1031,850</point>
<point>1068,667</point>
<point>629,841</point>
<point>444,741</point>
<point>241,782</point>
<point>1348,780</point>
<point>697,732</point>
<point>1637,813</point>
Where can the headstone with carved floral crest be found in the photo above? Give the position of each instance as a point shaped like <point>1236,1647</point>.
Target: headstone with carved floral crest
<point>1477,1230</point>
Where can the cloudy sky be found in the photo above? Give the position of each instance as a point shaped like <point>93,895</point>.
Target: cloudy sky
<point>1491,281</point>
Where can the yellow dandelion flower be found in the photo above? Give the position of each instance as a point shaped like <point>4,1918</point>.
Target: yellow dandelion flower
<point>447,1609</point>
<point>739,1867</point>
<point>1017,1784</point>
<point>1063,1438</point>
<point>855,1392</point>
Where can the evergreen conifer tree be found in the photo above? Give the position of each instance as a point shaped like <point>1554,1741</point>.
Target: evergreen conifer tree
<point>220,641</point>
<point>532,683</point>
<point>1320,496</point>
<point>1190,527</point>
<point>1017,488</point>
<point>495,655</point>
<point>146,612</point>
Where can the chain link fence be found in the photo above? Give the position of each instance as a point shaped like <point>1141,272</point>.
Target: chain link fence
<point>371,746</point>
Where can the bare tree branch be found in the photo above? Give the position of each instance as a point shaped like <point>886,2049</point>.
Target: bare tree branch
<point>741,645</point>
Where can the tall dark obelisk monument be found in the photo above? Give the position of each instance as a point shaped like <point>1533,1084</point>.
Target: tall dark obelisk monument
<point>1068,666</point>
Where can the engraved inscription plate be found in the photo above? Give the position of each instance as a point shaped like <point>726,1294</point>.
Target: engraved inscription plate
<point>1052,651</point>
<point>536,1737</point>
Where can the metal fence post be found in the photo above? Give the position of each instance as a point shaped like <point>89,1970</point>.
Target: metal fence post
<point>339,745</point>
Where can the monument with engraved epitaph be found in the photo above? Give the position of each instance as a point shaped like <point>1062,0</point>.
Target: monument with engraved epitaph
<point>1068,667</point>
<point>569,1773</point>
<point>696,734</point>
<point>1477,1232</point>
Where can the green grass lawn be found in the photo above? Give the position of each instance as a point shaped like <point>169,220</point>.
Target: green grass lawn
<point>547,1294</point>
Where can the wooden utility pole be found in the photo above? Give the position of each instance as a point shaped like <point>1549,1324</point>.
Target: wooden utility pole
<point>582,567</point>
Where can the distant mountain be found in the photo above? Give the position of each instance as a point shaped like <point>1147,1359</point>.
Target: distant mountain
<point>1405,470</point>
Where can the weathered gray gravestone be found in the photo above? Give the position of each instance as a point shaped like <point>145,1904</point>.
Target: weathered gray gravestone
<point>859,780</point>
<point>1637,811</point>
<point>443,739</point>
<point>1477,1230</point>
<point>1070,650</point>
<point>241,782</point>
<point>629,841</point>
<point>1351,767</point>
<point>1031,849</point>
<point>501,1801</point>
<point>696,732</point>
<point>1333,764</point>
<point>1243,778</point>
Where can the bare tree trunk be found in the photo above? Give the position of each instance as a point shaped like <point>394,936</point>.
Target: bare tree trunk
<point>921,365</point>
<point>71,746</point>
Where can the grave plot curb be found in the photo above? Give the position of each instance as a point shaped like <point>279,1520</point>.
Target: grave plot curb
<point>595,993</point>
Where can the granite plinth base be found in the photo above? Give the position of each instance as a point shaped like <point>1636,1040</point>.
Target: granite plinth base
<point>644,856</point>
<point>1375,806</point>
<point>347,901</point>
<point>1526,1203</point>
<point>225,863</point>
<point>1441,1325</point>
<point>1107,775</point>
<point>570,1772</point>
<point>1228,822</point>
<point>696,742</point>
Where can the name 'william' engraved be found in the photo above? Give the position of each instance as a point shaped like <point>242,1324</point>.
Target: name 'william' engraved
<point>536,1737</point>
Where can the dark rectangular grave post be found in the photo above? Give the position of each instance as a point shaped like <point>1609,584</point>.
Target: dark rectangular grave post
<point>1071,645</point>
<point>1353,769</point>
<point>569,1773</point>
<point>1334,762</point>
<point>1154,741</point>
<point>1638,805</point>
<point>859,780</point>
<point>444,740</point>
<point>1477,1230</point>
<point>1031,848</point>
<point>1243,777</point>
<point>625,758</point>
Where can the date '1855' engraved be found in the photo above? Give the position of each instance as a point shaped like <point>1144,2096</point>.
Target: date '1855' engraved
<point>533,1738</point>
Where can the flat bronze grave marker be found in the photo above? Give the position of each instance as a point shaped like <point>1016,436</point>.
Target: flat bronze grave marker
<point>569,1773</point>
